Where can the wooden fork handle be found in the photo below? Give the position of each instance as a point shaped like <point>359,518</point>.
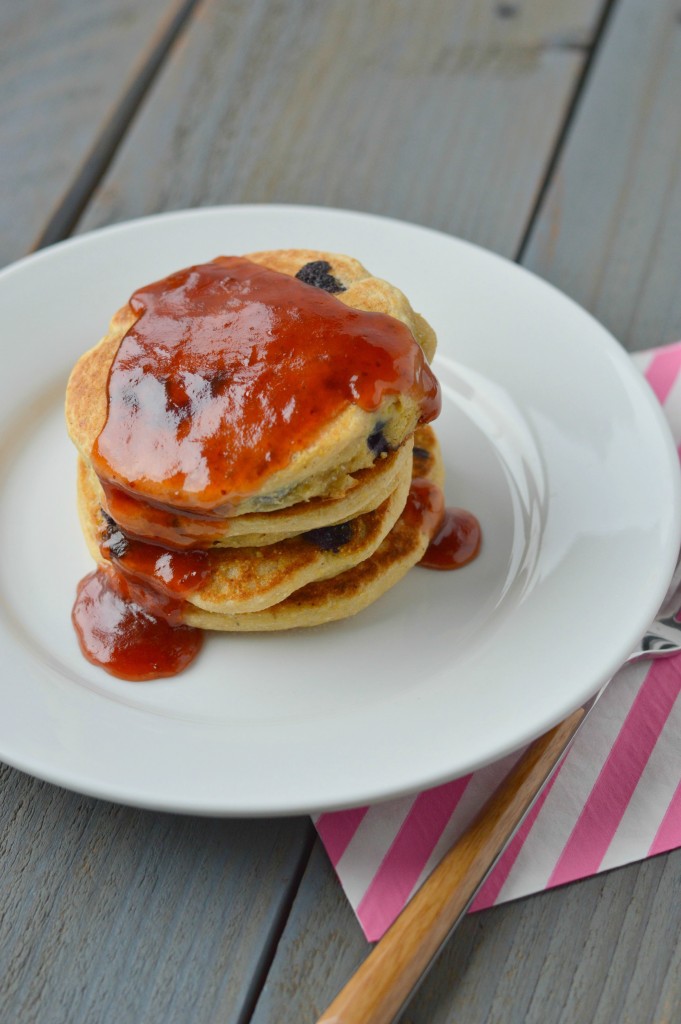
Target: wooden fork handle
<point>380,988</point>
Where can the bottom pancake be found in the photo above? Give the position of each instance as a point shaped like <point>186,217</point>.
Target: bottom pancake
<point>355,589</point>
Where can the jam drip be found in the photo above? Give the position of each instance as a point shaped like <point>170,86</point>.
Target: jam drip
<point>172,572</point>
<point>128,615</point>
<point>456,541</point>
<point>231,369</point>
<point>425,505</point>
<point>455,533</point>
<point>145,521</point>
<point>131,632</point>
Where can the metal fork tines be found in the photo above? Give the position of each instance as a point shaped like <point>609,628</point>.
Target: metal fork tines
<point>663,637</point>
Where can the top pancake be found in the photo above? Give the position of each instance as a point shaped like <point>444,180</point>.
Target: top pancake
<point>347,444</point>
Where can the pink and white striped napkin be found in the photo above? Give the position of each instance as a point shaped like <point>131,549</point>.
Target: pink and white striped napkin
<point>616,797</point>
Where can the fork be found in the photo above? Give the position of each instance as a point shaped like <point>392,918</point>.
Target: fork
<point>381,987</point>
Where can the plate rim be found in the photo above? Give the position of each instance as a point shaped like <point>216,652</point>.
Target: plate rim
<point>110,792</point>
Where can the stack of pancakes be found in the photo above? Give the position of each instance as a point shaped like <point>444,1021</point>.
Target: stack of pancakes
<point>322,537</point>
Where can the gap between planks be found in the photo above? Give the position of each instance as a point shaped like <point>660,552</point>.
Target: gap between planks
<point>591,55</point>
<point>72,204</point>
<point>266,959</point>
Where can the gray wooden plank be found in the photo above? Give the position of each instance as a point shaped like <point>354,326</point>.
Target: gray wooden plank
<point>63,66</point>
<point>71,205</point>
<point>321,946</point>
<point>440,113</point>
<point>608,233</point>
<point>114,914</point>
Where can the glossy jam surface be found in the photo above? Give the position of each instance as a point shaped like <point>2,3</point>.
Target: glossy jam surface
<point>455,533</point>
<point>425,505</point>
<point>231,369</point>
<point>142,520</point>
<point>171,572</point>
<point>456,541</point>
<point>128,632</point>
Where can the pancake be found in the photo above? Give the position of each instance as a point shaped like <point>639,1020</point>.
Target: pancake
<point>349,592</point>
<point>358,288</point>
<point>253,455</point>
<point>226,581</point>
<point>177,530</point>
<point>324,466</point>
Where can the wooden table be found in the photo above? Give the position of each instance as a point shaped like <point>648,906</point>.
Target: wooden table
<point>546,131</point>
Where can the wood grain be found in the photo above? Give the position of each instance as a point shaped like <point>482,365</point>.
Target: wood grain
<point>63,67</point>
<point>608,234</point>
<point>443,113</point>
<point>113,914</point>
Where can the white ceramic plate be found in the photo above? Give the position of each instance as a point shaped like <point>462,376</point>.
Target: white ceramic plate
<point>549,436</point>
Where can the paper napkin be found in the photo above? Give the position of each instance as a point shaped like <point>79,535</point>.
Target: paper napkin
<point>615,798</point>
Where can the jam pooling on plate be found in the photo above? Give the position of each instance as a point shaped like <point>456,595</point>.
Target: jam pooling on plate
<point>231,369</point>
<point>456,541</point>
<point>128,614</point>
<point>129,630</point>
